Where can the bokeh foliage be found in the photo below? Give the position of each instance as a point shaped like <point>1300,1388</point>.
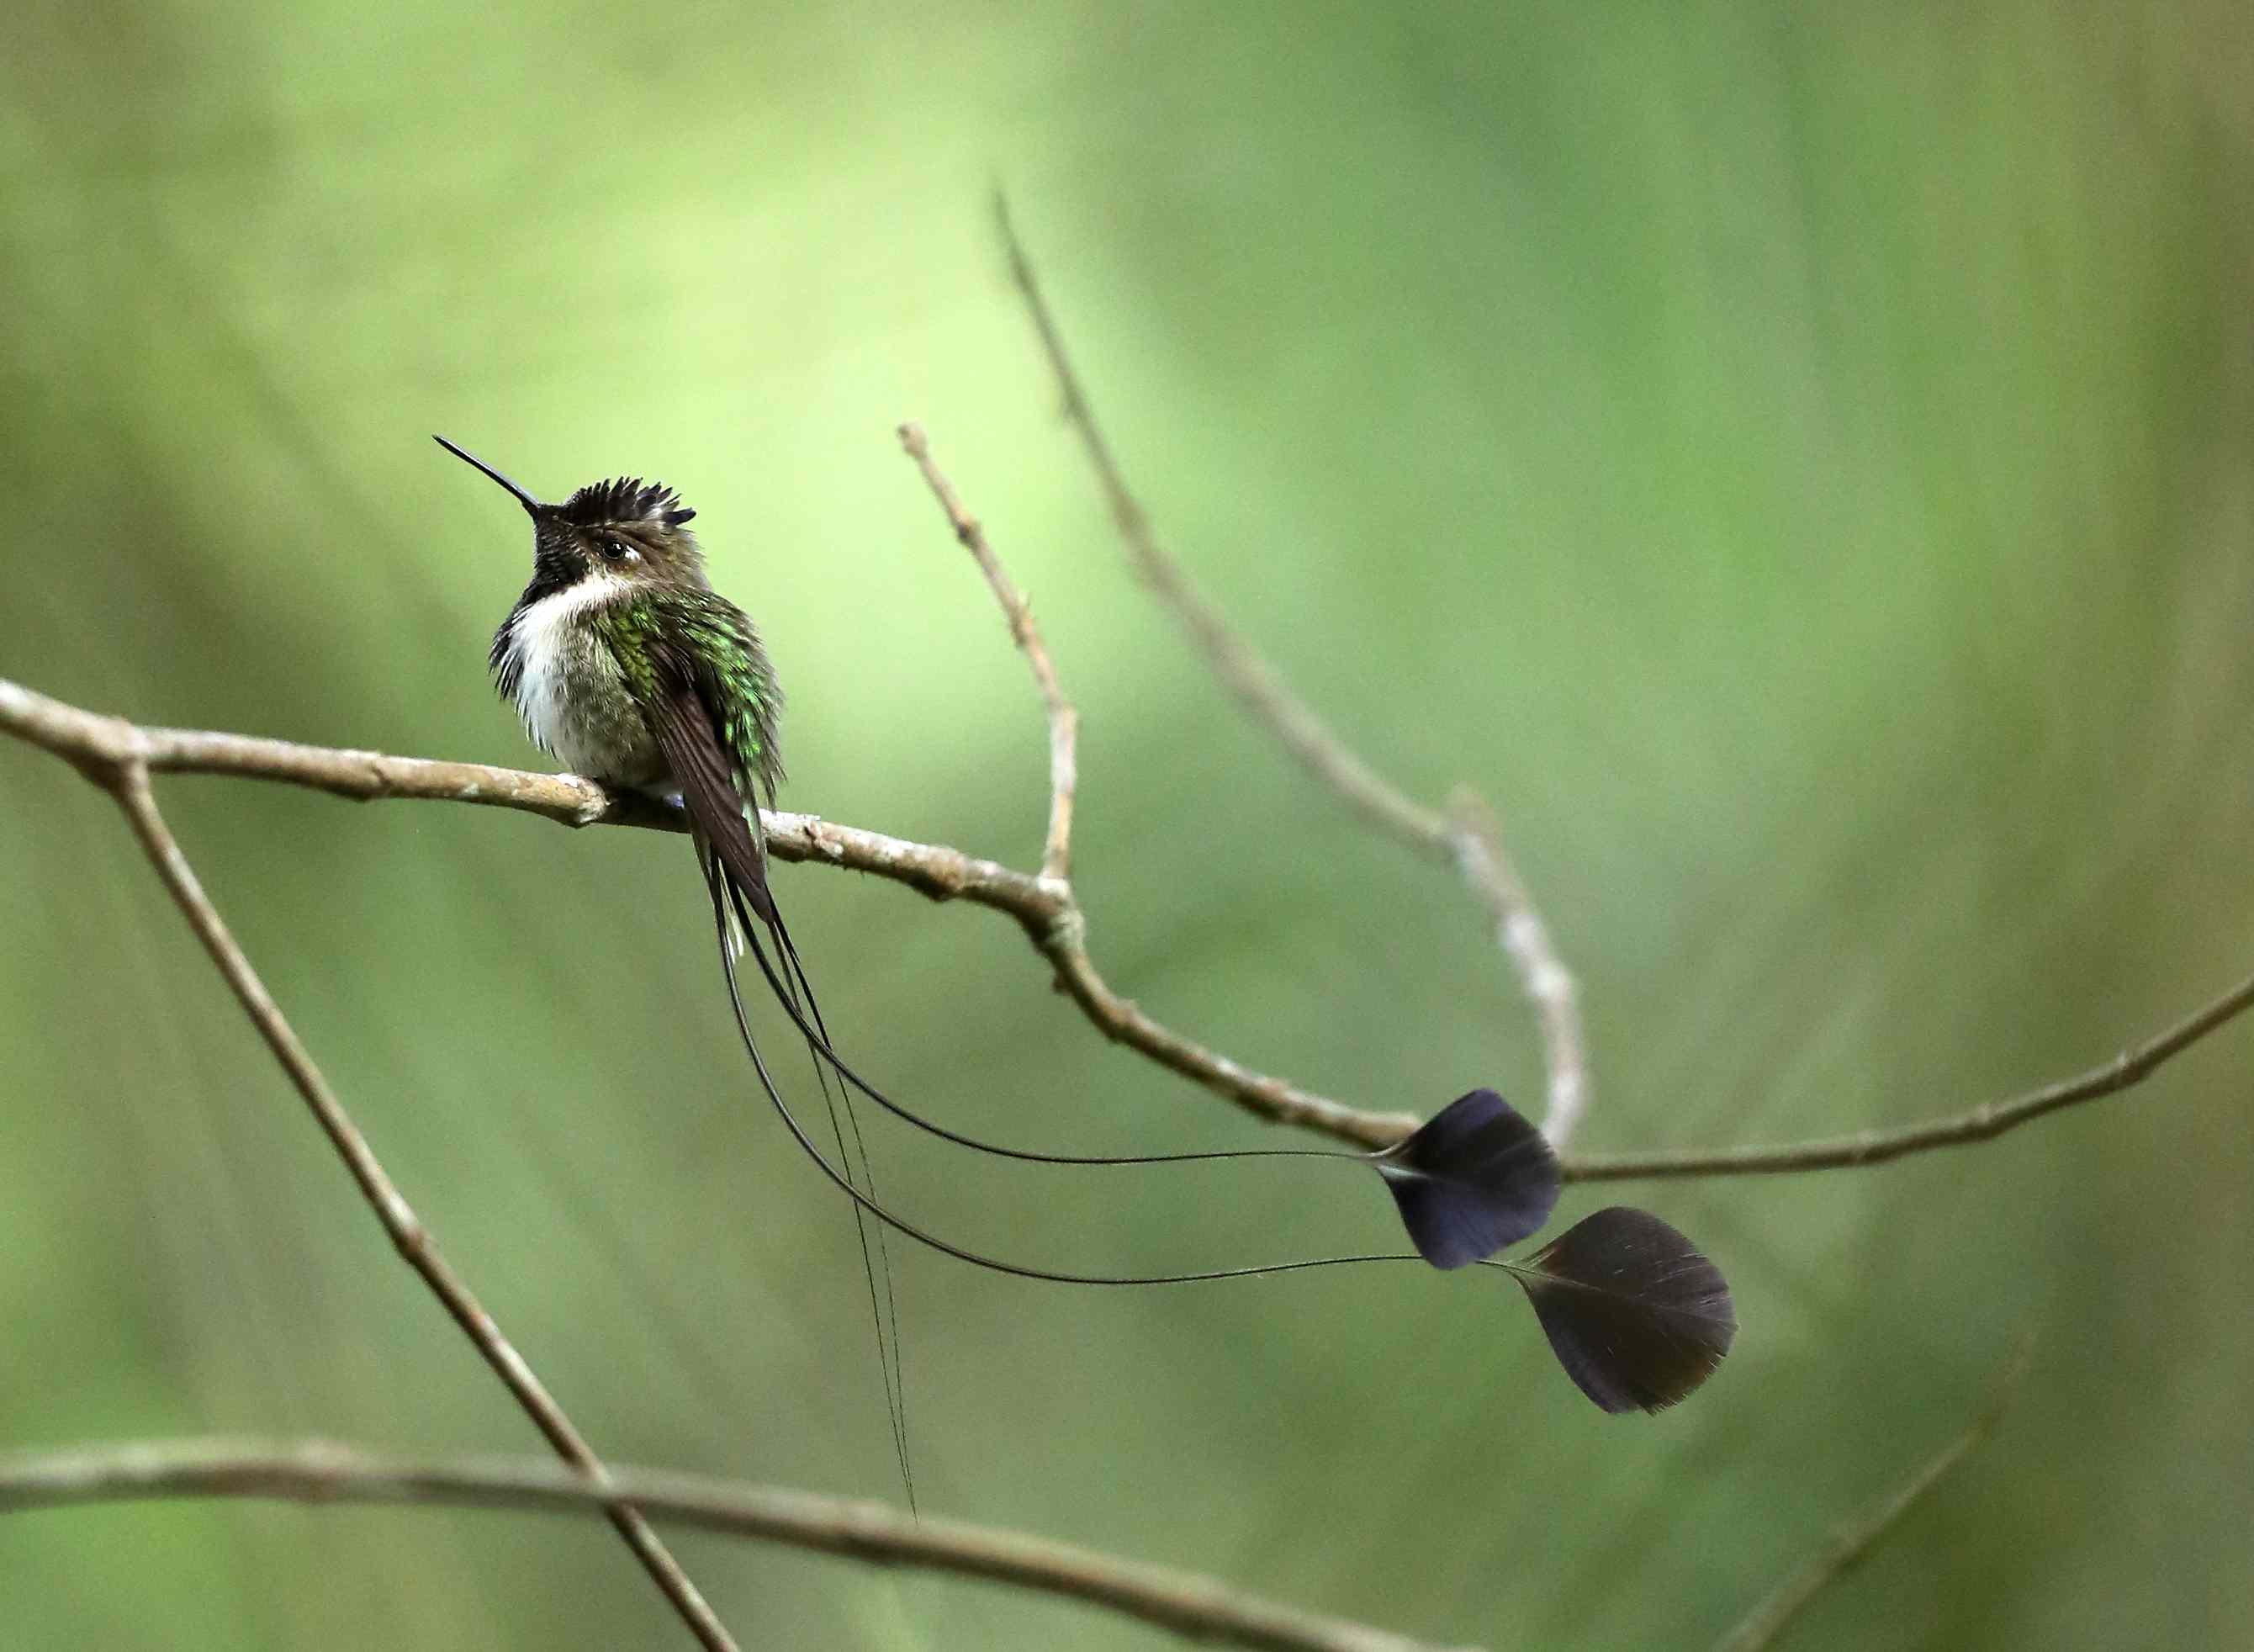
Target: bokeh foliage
<point>1795,459</point>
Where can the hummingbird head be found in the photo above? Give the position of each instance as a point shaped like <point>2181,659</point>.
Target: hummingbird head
<point>625,528</point>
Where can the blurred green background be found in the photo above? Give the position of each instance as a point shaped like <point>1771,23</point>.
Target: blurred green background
<point>1794,459</point>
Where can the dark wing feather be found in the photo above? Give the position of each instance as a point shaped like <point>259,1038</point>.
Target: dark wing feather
<point>687,733</point>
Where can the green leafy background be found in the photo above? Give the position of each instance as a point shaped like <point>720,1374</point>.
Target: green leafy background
<point>1794,459</point>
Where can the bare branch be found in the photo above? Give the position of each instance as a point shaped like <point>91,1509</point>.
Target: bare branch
<point>1256,683</point>
<point>1064,722</point>
<point>1852,1545</point>
<point>1051,919</point>
<point>128,781</point>
<point>1980,1123</point>
<point>1465,836</point>
<point>1199,1608</point>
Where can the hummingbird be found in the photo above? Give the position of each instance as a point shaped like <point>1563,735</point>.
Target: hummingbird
<point>624,664</point>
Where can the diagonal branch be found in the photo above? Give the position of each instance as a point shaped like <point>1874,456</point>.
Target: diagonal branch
<point>1464,836</point>
<point>127,780</point>
<point>1064,722</point>
<point>1852,1543</point>
<point>1052,920</point>
<point>314,1471</point>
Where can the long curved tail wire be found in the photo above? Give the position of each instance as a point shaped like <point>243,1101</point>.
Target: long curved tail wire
<point>1602,1256</point>
<point>818,1039</point>
<point>881,1272</point>
<point>876,1266</point>
<point>723,893</point>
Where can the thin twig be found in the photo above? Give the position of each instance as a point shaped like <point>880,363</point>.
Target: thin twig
<point>1852,1545</point>
<point>1464,836</point>
<point>1064,721</point>
<point>1199,1608</point>
<point>128,781</point>
<point>1051,919</point>
<point>1518,927</point>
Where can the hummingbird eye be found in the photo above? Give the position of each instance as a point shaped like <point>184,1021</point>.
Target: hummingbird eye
<point>617,549</point>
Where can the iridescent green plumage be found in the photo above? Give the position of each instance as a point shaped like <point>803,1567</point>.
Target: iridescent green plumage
<point>702,634</point>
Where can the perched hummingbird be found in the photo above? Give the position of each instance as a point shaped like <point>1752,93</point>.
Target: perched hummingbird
<point>626,665</point>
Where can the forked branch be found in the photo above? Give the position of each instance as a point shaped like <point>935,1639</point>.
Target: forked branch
<point>1465,836</point>
<point>1044,908</point>
<point>1064,721</point>
<point>120,770</point>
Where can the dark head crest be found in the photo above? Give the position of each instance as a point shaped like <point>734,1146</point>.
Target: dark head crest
<point>625,499</point>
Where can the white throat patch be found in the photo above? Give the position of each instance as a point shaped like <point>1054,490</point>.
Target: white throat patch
<point>550,645</point>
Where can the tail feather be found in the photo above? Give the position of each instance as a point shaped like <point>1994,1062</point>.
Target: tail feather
<point>884,1306</point>
<point>1613,1382</point>
<point>734,907</point>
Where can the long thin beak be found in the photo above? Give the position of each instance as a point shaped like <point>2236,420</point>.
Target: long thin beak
<point>533,507</point>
